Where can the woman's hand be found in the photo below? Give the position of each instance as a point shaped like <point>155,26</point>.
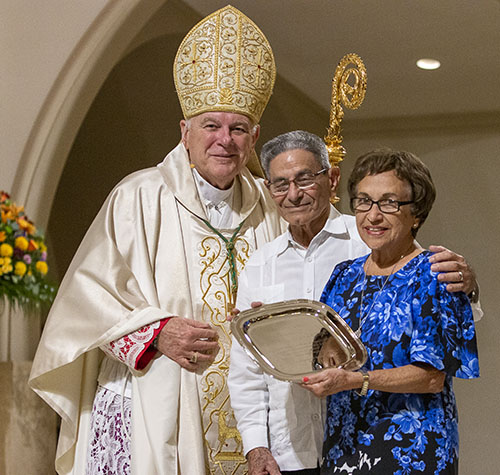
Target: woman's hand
<point>412,378</point>
<point>331,381</point>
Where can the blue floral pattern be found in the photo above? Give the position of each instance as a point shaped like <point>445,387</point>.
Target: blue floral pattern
<point>412,320</point>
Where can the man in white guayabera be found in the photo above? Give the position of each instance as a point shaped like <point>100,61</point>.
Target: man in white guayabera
<point>281,423</point>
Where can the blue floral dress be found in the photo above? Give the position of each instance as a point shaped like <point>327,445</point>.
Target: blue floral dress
<point>413,319</point>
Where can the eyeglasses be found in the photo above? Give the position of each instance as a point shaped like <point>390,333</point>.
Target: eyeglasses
<point>303,181</point>
<point>385,206</point>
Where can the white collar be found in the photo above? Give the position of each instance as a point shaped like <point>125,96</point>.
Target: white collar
<point>211,194</point>
<point>334,225</point>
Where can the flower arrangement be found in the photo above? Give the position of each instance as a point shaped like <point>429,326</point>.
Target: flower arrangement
<point>23,258</point>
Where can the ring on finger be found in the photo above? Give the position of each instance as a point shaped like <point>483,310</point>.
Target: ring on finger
<point>194,357</point>
<point>461,275</point>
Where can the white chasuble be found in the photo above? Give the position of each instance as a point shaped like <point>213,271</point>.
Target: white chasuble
<point>147,256</point>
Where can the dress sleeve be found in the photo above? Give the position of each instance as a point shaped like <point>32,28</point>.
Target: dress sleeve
<point>329,291</point>
<point>136,349</point>
<point>443,333</point>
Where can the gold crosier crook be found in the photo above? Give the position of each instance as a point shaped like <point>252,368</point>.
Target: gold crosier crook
<point>347,95</point>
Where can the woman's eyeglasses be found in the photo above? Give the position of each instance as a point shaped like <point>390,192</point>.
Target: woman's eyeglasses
<point>387,206</point>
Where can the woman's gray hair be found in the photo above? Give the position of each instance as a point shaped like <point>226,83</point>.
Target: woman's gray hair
<point>296,140</point>
<point>407,167</point>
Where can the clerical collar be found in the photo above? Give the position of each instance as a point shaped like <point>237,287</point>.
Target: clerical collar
<point>211,194</point>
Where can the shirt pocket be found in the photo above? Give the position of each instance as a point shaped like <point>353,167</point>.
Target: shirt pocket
<point>268,293</point>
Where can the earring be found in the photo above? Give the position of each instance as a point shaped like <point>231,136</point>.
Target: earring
<point>192,165</point>
<point>415,225</point>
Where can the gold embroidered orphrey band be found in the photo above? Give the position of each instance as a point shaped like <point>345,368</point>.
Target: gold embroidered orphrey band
<point>223,441</point>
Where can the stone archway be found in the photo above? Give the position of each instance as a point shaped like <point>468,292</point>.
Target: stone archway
<point>132,124</point>
<point>60,117</point>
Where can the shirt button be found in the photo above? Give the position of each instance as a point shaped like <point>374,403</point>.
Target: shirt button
<point>309,290</point>
<point>315,417</point>
<point>309,259</point>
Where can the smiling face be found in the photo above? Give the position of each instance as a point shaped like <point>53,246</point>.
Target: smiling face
<point>219,145</point>
<point>389,234</point>
<point>307,208</point>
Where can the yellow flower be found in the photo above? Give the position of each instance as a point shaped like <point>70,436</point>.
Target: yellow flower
<point>42,267</point>
<point>21,243</point>
<point>5,265</point>
<point>6,250</point>
<point>20,268</point>
<point>43,247</point>
<point>26,225</point>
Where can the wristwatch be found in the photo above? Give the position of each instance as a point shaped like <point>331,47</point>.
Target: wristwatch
<point>366,382</point>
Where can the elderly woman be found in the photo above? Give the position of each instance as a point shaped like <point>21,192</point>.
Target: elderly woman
<point>398,414</point>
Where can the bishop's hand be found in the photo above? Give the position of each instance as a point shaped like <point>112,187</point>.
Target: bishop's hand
<point>192,344</point>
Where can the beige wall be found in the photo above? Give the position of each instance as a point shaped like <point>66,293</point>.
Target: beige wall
<point>32,57</point>
<point>132,123</point>
<point>27,425</point>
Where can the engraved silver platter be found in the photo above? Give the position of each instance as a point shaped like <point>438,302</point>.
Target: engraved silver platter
<point>294,338</point>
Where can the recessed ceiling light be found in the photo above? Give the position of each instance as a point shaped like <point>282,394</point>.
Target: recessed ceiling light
<point>428,63</point>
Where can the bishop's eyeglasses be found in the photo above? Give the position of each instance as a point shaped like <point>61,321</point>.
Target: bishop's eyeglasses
<point>303,181</point>
<point>387,206</point>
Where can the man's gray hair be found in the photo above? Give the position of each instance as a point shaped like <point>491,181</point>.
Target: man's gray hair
<point>253,130</point>
<point>297,139</point>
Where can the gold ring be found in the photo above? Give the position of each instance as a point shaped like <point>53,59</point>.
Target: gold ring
<point>460,273</point>
<point>194,358</point>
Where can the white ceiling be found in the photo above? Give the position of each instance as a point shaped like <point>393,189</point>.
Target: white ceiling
<point>310,36</point>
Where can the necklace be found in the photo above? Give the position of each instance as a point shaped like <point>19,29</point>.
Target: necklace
<point>361,317</point>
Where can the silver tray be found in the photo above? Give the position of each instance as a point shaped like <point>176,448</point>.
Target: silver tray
<point>294,338</point>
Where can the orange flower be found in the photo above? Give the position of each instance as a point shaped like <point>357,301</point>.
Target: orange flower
<point>6,215</point>
<point>32,246</point>
<point>16,210</point>
<point>3,236</point>
<point>11,212</point>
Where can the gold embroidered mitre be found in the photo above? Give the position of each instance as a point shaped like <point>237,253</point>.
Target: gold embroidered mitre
<point>225,63</point>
